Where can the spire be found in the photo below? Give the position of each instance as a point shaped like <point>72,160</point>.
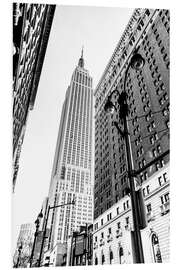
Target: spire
<point>81,59</point>
<point>82,50</point>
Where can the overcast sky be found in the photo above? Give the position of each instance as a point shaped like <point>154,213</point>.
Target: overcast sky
<point>98,29</point>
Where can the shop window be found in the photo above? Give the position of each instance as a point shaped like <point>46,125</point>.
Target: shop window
<point>156,249</point>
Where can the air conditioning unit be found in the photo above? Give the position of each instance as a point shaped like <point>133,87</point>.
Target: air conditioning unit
<point>150,216</point>
<point>118,233</point>
<point>101,242</point>
<point>95,245</point>
<point>109,238</point>
<point>128,227</point>
<point>165,208</point>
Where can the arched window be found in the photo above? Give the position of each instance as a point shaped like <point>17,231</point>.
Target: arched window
<point>121,252</point>
<point>103,258</point>
<point>96,261</point>
<point>111,257</point>
<point>156,248</point>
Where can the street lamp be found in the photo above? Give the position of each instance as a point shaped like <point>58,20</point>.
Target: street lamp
<point>45,227</point>
<point>136,62</point>
<point>37,223</point>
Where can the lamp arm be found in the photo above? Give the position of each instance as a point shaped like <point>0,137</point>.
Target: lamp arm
<point>60,205</point>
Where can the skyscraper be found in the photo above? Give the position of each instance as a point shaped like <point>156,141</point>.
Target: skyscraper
<point>71,175</point>
<point>25,239</point>
<point>148,98</point>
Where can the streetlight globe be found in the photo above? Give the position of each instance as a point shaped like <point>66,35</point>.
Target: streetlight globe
<point>37,221</point>
<point>109,107</point>
<point>137,62</point>
<point>40,215</point>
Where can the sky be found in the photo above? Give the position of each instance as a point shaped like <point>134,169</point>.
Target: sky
<point>98,29</point>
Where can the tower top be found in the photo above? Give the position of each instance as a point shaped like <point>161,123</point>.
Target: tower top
<point>81,59</point>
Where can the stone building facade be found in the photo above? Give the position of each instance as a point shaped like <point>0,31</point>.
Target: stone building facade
<point>112,230</point>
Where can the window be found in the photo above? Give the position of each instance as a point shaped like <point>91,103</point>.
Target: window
<point>157,166</point>
<point>109,216</point>
<point>144,162</point>
<point>102,235</point>
<point>124,206</point>
<point>165,198</point>
<point>154,152</point>
<point>152,140</point>
<point>156,249</point>
<point>127,220</point>
<point>165,177</point>
<point>140,165</point>
<point>159,149</point>
<point>145,175</point>
<point>149,128</point>
<point>119,225</point>
<point>155,136</point>
<point>120,253</point>
<point>109,230</point>
<point>146,190</point>
<point>167,124</point>
<point>101,221</point>
<point>149,209</point>
<point>96,226</point>
<point>117,210</point>
<point>111,258</point>
<point>103,259</point>
<point>160,180</point>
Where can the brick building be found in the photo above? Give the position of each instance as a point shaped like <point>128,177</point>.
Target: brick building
<point>148,98</point>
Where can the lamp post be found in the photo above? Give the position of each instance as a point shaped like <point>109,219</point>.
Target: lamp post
<point>45,227</point>
<point>37,223</point>
<point>136,62</point>
<point>19,255</point>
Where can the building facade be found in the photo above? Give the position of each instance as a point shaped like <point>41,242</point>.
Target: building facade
<point>147,33</point>
<point>31,29</point>
<point>25,239</point>
<point>81,245</point>
<point>71,175</point>
<point>112,235</point>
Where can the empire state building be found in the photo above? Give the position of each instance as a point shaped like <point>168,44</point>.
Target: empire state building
<point>71,175</point>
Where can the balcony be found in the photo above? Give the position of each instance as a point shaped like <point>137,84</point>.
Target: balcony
<point>118,233</point>
<point>165,208</point>
<point>150,216</point>
<point>109,238</point>
<point>102,242</point>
